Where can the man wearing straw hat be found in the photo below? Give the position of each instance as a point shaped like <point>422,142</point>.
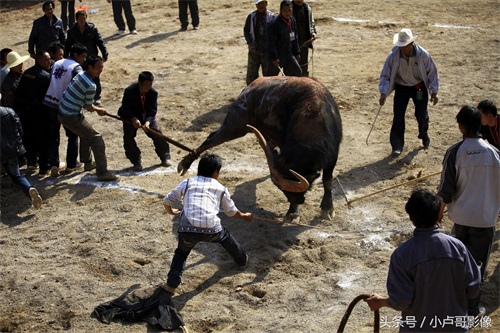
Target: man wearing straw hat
<point>410,72</point>
<point>11,81</point>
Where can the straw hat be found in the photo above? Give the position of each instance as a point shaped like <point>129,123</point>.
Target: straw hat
<point>14,59</point>
<point>404,37</point>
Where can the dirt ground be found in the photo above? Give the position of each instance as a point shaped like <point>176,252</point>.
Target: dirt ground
<point>91,241</point>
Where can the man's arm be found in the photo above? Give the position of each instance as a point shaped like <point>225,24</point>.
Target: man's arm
<point>377,301</point>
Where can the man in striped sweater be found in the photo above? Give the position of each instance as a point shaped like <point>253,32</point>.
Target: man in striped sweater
<point>80,95</point>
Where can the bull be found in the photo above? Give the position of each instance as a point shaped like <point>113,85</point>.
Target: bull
<point>297,123</point>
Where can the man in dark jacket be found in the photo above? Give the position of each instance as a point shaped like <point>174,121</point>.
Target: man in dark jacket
<point>302,13</point>
<point>255,31</point>
<point>283,43</point>
<point>12,147</point>
<point>28,105</point>
<point>139,107</point>
<point>45,30</point>
<point>86,33</point>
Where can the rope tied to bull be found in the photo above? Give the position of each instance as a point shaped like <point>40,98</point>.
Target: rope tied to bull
<point>376,319</point>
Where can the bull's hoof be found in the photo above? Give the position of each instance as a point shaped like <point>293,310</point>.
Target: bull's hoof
<point>291,218</point>
<point>327,214</point>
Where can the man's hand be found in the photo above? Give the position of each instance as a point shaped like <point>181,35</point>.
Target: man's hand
<point>244,216</point>
<point>382,99</point>
<point>171,211</point>
<point>434,98</point>
<point>136,123</point>
<point>276,62</point>
<point>376,301</point>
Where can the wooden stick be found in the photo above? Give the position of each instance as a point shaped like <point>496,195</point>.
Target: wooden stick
<point>393,187</point>
<point>283,222</point>
<point>380,108</point>
<point>155,133</point>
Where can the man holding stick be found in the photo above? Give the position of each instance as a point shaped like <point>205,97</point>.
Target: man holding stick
<point>139,107</point>
<point>80,94</point>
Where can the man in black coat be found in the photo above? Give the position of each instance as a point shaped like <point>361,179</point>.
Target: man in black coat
<point>139,107</point>
<point>283,43</point>
<point>45,30</point>
<point>33,114</point>
<point>86,33</point>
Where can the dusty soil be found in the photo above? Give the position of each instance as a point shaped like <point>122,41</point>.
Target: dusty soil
<point>90,241</point>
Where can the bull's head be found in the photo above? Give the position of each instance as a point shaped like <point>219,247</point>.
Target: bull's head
<point>284,184</point>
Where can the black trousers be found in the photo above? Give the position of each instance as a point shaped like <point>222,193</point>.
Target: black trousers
<point>183,14</point>
<point>478,241</point>
<point>118,6</point>
<point>133,152</point>
<point>68,13</point>
<point>187,241</point>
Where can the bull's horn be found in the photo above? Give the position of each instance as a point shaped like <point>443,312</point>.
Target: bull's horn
<point>284,184</point>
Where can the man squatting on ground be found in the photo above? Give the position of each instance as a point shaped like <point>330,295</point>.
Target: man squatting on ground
<point>431,276</point>
<point>11,133</point>
<point>202,197</point>
<point>140,107</point>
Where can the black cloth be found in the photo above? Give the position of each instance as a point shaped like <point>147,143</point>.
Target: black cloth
<point>90,37</point>
<point>8,89</point>
<point>32,87</point>
<point>278,38</point>
<point>11,133</point>
<point>152,305</point>
<point>492,134</point>
<point>126,7</point>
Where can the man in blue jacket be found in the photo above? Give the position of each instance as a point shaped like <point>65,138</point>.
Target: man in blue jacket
<point>409,71</point>
<point>45,30</point>
<point>139,107</point>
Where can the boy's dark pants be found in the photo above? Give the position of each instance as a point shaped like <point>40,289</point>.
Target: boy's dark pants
<point>187,241</point>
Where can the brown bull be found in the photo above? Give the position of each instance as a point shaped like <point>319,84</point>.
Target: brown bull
<point>299,126</point>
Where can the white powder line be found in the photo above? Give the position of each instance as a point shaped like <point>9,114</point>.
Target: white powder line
<point>437,25</point>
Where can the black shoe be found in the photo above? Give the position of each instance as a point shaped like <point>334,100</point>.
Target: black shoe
<point>137,167</point>
<point>396,152</point>
<point>183,29</point>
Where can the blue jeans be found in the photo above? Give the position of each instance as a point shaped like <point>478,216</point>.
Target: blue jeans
<point>12,168</point>
<point>187,241</point>
<point>402,96</point>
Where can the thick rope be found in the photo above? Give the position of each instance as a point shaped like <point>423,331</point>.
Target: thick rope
<point>376,321</point>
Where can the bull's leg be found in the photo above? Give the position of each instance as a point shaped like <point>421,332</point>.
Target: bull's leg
<point>327,210</point>
<point>292,214</point>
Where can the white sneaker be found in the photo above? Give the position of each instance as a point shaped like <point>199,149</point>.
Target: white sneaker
<point>120,32</point>
<point>134,32</point>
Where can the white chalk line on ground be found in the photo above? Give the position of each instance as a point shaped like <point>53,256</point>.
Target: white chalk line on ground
<point>437,25</point>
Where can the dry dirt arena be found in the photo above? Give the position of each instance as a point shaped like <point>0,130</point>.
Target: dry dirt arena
<point>91,241</point>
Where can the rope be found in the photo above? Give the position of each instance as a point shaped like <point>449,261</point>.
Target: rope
<point>376,320</point>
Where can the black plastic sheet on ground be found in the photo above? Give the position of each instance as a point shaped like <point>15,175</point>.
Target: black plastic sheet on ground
<point>152,305</point>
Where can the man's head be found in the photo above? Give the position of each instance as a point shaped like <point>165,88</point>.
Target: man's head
<point>15,61</point>
<point>3,56</point>
<point>94,66</point>
<point>286,9</point>
<point>209,166</point>
<point>48,8</point>
<point>145,81</point>
<point>42,59</point>
<point>78,52</point>
<point>404,40</point>
<point>423,207</point>
<point>298,2</point>
<point>488,111</point>
<point>81,19</point>
<point>56,50</point>
<point>469,120</point>
<point>261,5</point>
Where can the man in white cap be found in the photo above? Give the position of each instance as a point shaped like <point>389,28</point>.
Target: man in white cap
<point>11,81</point>
<point>255,31</point>
<point>410,71</point>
